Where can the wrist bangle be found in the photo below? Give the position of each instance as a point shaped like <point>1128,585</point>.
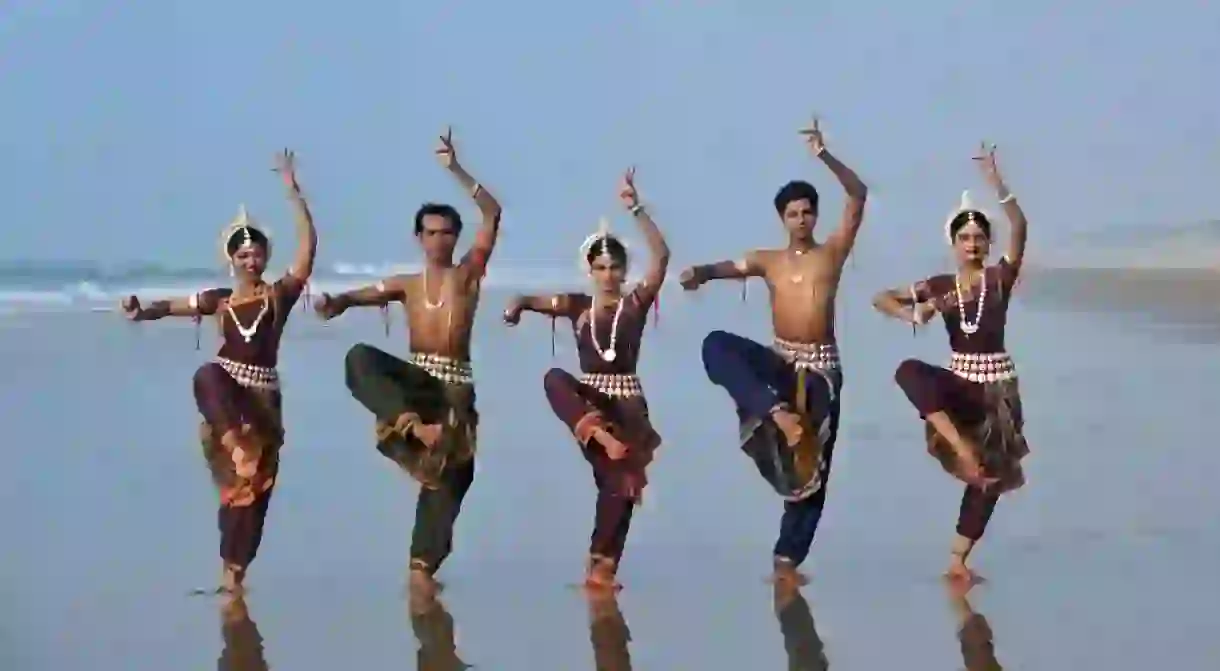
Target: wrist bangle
<point>1008,199</point>
<point>636,209</point>
<point>476,190</point>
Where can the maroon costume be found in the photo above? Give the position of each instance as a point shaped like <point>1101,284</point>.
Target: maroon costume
<point>608,396</point>
<point>239,391</point>
<point>978,391</point>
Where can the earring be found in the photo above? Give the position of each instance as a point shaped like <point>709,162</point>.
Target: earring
<point>232,270</point>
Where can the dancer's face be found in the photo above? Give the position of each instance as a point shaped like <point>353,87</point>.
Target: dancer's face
<point>438,237</point>
<point>250,260</point>
<point>799,218</point>
<point>608,274</point>
<point>971,244</point>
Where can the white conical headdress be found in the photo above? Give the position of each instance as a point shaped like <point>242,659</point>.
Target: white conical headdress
<point>242,224</point>
<point>603,231</point>
<point>966,205</point>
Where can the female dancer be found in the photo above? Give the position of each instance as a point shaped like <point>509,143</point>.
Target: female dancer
<point>605,409</point>
<point>972,408</point>
<point>238,392</point>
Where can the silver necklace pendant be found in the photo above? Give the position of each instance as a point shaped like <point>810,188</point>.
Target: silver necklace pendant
<point>797,279</point>
<point>609,356</point>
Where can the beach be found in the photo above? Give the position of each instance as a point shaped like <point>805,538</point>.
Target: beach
<point>1106,559</point>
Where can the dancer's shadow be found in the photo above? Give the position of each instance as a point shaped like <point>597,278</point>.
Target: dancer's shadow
<point>243,645</point>
<point>973,632</point>
<point>608,632</point>
<point>804,647</point>
<point>435,632</point>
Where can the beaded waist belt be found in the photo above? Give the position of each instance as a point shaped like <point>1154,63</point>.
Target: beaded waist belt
<point>990,367</point>
<point>808,356</point>
<point>615,385</point>
<point>249,375</point>
<point>446,369</point>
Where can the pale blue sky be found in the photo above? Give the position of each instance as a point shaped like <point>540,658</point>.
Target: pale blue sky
<point>132,130</point>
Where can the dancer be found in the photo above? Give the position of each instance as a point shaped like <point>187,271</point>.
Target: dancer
<point>605,409</point>
<point>972,408</point>
<point>787,397</point>
<point>424,407</point>
<point>243,644</point>
<point>238,392</point>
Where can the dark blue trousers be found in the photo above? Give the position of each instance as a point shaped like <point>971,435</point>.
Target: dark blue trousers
<point>758,379</point>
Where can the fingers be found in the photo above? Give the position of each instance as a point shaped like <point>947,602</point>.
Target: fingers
<point>813,128</point>
<point>447,138</point>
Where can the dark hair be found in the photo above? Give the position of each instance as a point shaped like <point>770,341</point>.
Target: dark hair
<point>967,217</point>
<point>238,238</point>
<point>794,191</point>
<point>438,210</point>
<point>608,245</point>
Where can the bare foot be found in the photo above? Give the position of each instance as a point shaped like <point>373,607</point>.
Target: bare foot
<point>232,579</point>
<point>428,434</point>
<point>789,424</point>
<point>601,576</point>
<point>421,584</point>
<point>959,574</point>
<point>615,449</point>
<point>786,575</point>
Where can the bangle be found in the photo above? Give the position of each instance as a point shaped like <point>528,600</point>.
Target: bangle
<point>1008,199</point>
<point>476,190</point>
<point>636,209</point>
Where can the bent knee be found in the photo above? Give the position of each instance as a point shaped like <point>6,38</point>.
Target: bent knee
<point>558,378</point>
<point>909,372</point>
<point>714,343</point>
<point>358,357</point>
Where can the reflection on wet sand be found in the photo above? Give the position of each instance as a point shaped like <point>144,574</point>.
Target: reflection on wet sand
<point>804,647</point>
<point>608,633</point>
<point>243,645</point>
<point>435,632</point>
<point>974,633</point>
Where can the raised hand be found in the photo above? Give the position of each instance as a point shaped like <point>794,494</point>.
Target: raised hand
<point>691,279</point>
<point>445,152</point>
<point>328,307</point>
<point>131,308</point>
<point>286,166</point>
<point>512,314</point>
<point>813,137</point>
<point>626,190</point>
<point>986,160</point>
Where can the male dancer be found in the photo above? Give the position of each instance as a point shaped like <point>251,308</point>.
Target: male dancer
<point>787,396</point>
<point>425,406</point>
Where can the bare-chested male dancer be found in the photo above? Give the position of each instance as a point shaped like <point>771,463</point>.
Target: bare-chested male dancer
<point>787,396</point>
<point>238,392</point>
<point>425,406</point>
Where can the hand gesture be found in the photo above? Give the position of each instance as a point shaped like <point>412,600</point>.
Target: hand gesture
<point>626,190</point>
<point>286,166</point>
<point>691,279</point>
<point>922,313</point>
<point>328,307</point>
<point>813,138</point>
<point>445,153</point>
<point>131,308</point>
<point>512,315</point>
<point>986,160</point>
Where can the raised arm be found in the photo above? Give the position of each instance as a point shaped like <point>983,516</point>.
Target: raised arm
<point>844,238</point>
<point>753,264</point>
<point>1012,209</point>
<point>477,257</point>
<point>307,236</point>
<point>658,249</point>
<point>387,291</point>
<point>202,304</point>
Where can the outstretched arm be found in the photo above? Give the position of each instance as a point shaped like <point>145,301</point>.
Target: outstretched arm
<point>477,257</point>
<point>658,249</point>
<point>557,305</point>
<point>383,293</point>
<point>843,240</point>
<point>751,265</point>
<point>912,305</point>
<point>202,304</point>
<point>307,236</point>
<point>1012,209</point>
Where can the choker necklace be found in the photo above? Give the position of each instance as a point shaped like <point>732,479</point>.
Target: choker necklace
<point>608,355</point>
<point>440,303</point>
<point>967,327</point>
<point>248,333</point>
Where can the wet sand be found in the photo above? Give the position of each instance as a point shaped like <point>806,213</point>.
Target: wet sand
<point>1105,560</point>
